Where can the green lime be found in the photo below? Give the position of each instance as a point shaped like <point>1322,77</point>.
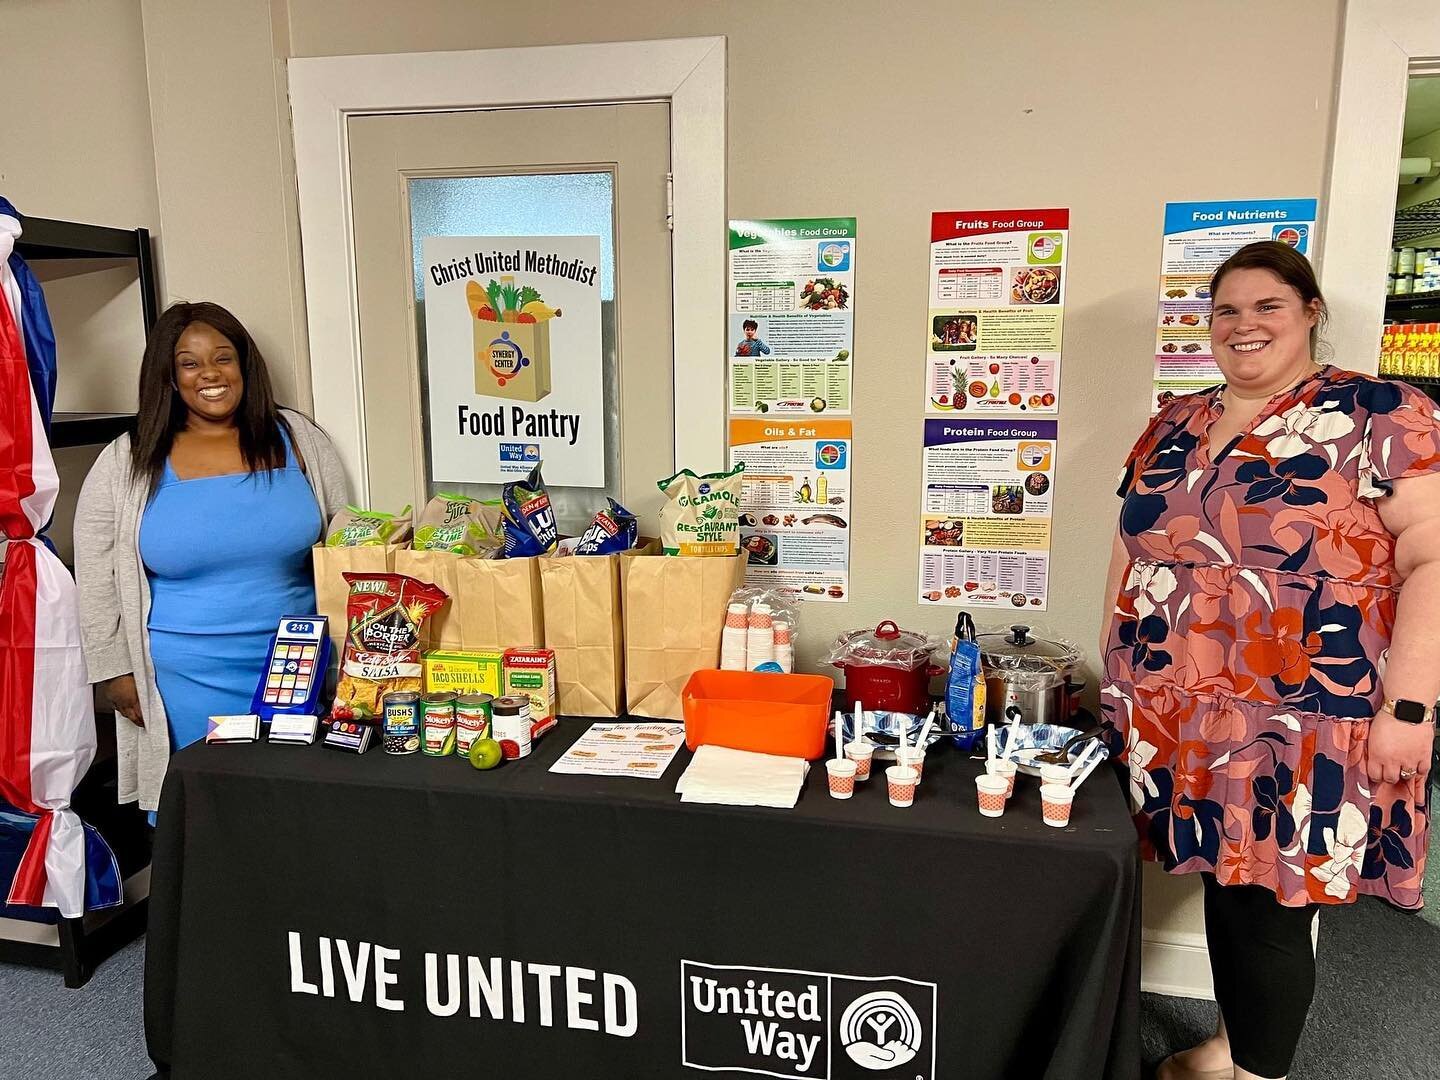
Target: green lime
<point>485,753</point>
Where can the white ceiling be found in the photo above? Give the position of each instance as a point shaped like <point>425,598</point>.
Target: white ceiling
<point>1422,106</point>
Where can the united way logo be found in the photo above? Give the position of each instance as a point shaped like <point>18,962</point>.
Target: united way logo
<point>794,1023</point>
<point>881,1031</point>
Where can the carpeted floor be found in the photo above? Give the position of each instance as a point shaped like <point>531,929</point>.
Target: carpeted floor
<point>1375,1011</point>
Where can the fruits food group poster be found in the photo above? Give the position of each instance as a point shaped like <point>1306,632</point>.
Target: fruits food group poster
<point>791,321</point>
<point>995,316</point>
<point>515,364</point>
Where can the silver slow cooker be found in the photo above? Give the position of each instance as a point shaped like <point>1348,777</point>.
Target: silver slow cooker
<point>1033,675</point>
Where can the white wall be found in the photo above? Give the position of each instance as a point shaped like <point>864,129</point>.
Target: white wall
<point>75,143</point>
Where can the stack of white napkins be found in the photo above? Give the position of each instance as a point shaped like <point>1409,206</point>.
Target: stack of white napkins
<point>717,774</point>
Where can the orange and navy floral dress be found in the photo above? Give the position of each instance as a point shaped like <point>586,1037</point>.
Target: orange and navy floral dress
<point>1244,662</point>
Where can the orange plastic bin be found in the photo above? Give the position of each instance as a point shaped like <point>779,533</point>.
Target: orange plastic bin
<point>780,714</point>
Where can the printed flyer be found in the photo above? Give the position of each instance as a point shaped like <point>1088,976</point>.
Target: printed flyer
<point>996,311</point>
<point>623,749</point>
<point>791,318</point>
<point>989,486</point>
<point>512,332</point>
<point>795,506</point>
<point>1199,236</point>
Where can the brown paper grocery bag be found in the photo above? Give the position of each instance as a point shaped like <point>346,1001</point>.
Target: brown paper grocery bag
<point>674,611</point>
<point>332,595</point>
<point>584,625</point>
<point>441,630</point>
<point>498,604</point>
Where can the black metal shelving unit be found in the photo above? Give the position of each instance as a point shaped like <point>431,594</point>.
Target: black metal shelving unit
<point>1424,307</point>
<point>46,239</point>
<point>83,943</point>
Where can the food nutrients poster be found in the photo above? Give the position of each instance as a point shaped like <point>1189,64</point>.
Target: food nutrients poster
<point>795,504</point>
<point>791,321</point>
<point>1199,236</point>
<point>512,337</point>
<point>989,486</point>
<point>624,749</point>
<point>996,311</point>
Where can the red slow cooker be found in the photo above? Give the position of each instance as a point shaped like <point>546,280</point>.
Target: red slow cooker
<point>886,669</point>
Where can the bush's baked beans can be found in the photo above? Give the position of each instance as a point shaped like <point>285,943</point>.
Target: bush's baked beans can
<point>437,724</point>
<point>472,721</point>
<point>402,722</point>
<point>510,721</point>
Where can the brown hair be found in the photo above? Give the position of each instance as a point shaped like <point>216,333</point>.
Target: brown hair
<point>1285,263</point>
<point>162,412</point>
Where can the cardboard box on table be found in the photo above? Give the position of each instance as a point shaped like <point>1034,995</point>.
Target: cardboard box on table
<point>494,603</point>
<point>585,626</point>
<point>674,610</point>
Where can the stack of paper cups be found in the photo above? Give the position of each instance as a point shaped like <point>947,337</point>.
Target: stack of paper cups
<point>760,639</point>
<point>732,638</point>
<point>784,647</point>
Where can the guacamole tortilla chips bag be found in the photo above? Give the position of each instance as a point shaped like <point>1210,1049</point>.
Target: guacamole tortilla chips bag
<point>357,527</point>
<point>462,526</point>
<point>702,514</point>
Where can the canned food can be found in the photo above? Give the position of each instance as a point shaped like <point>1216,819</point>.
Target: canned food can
<point>472,721</point>
<point>510,720</point>
<point>401,729</point>
<point>437,724</point>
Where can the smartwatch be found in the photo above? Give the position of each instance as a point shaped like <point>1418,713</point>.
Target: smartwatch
<point>1409,712</point>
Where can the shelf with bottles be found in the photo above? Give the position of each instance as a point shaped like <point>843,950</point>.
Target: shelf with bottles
<point>1410,351</point>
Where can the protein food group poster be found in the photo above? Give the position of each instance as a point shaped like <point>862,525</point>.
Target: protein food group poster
<point>512,332</point>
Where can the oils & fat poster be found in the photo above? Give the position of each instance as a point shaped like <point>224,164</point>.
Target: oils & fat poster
<point>515,362</point>
<point>795,503</point>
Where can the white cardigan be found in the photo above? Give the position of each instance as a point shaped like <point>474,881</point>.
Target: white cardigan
<point>115,593</point>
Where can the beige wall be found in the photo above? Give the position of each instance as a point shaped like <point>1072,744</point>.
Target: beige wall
<point>884,111</point>
<point>75,143</point>
<point>890,111</point>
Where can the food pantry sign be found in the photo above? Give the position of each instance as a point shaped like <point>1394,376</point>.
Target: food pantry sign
<point>515,363</point>
<point>788,1023</point>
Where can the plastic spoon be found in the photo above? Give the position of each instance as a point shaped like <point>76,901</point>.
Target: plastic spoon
<point>1094,762</point>
<point>839,736</point>
<point>1083,761</point>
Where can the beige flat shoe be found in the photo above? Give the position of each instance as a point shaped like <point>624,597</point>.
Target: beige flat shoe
<point>1170,1069</point>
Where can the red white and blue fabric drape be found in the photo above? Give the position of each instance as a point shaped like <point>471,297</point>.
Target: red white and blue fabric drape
<point>47,722</point>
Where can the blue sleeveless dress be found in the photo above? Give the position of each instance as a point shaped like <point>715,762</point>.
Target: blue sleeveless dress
<point>227,557</point>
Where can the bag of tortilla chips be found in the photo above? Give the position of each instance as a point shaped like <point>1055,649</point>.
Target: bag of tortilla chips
<point>462,526</point>
<point>529,517</point>
<point>702,516</point>
<point>357,527</point>
<point>382,641</point>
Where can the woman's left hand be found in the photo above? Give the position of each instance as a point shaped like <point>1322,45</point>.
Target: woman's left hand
<point>1397,750</point>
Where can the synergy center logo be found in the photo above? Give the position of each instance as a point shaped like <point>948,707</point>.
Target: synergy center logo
<point>788,1023</point>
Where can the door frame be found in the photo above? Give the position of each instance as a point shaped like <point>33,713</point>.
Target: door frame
<point>1384,42</point>
<point>688,73</point>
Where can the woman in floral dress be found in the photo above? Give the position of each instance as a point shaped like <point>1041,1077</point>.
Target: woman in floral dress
<point>1270,636</point>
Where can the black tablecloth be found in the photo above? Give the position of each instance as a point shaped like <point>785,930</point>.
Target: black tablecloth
<point>647,937</point>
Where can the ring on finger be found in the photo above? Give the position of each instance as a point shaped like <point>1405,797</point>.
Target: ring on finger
<point>1406,774</point>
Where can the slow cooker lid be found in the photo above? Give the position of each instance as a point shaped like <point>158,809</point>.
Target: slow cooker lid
<point>1017,649</point>
<point>885,645</point>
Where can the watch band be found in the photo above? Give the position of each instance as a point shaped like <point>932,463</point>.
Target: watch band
<point>1409,712</point>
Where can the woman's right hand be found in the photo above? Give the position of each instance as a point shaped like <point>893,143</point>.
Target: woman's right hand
<point>124,697</point>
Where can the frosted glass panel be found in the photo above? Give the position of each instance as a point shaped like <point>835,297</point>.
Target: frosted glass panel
<point>534,204</point>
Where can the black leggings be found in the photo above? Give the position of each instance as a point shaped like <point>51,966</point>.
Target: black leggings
<point>1264,968</point>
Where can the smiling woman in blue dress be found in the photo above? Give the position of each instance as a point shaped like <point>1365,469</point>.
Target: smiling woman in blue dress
<point>193,536</point>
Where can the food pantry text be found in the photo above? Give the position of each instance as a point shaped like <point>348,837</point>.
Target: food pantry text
<point>522,423</point>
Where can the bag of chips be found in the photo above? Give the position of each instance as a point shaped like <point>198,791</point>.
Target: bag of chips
<point>462,526</point>
<point>529,518</point>
<point>357,527</point>
<point>382,641</point>
<point>702,514</point>
<point>613,530</point>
